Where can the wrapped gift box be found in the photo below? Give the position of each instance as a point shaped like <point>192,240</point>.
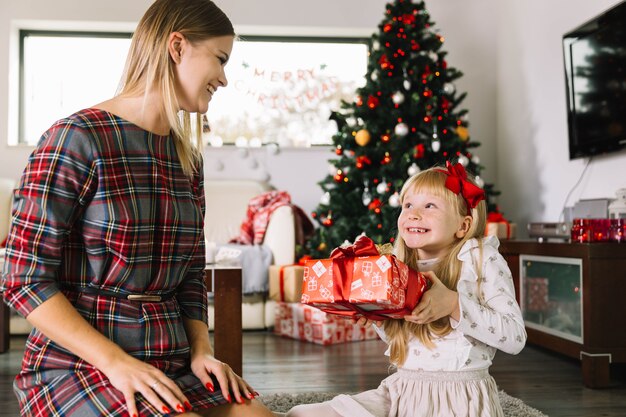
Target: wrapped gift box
<point>286,283</point>
<point>302,322</point>
<point>503,230</point>
<point>375,286</point>
<point>500,227</point>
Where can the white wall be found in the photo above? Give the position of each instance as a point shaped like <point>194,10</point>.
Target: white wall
<point>470,42</point>
<point>533,165</point>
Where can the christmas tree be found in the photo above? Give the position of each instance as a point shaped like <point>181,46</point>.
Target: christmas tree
<point>405,118</point>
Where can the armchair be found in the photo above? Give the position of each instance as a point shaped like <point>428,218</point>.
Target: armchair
<point>226,207</point>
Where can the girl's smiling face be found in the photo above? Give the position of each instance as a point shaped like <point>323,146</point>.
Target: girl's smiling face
<point>430,224</point>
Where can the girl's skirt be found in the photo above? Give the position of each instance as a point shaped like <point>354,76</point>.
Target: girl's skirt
<point>409,393</point>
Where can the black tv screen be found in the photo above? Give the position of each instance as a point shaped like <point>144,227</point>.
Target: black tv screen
<point>595,75</point>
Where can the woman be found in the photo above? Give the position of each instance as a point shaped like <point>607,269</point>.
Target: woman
<point>106,251</point>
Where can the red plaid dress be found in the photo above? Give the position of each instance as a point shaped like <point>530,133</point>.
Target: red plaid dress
<point>105,204</point>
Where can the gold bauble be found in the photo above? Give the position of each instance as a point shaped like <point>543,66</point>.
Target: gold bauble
<point>463,133</point>
<point>362,137</point>
<point>322,246</point>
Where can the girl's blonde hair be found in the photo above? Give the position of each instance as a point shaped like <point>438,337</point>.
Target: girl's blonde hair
<point>448,269</point>
<point>149,66</point>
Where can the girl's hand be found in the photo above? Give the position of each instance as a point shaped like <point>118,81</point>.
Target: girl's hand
<point>362,321</point>
<point>205,364</point>
<point>439,301</point>
<point>132,376</point>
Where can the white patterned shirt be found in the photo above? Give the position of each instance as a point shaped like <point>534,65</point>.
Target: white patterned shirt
<point>495,323</point>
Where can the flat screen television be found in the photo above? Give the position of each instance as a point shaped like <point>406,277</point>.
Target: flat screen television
<point>595,75</point>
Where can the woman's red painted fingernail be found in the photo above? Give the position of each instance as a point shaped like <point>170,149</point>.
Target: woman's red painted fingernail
<point>188,406</point>
<point>250,395</point>
<point>256,394</point>
<point>135,415</point>
<point>209,386</point>
<point>229,399</point>
<point>166,410</point>
<point>179,408</point>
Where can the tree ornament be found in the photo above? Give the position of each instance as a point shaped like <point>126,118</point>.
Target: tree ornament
<point>476,159</point>
<point>332,170</point>
<point>362,137</point>
<point>339,150</point>
<point>386,159</point>
<point>351,121</point>
<point>382,187</point>
<point>367,196</point>
<point>433,56</point>
<point>413,169</point>
<point>325,200</point>
<point>372,102</point>
<point>463,160</point>
<point>374,75</point>
<point>385,138</point>
<point>407,84</point>
<point>449,88</point>
<point>401,129</point>
<point>463,133</point>
<point>362,161</point>
<point>322,247</point>
<point>479,181</point>
<point>435,145</point>
<point>375,45</point>
<point>375,205</point>
<point>328,221</point>
<point>394,200</point>
<point>419,151</point>
<point>397,97</point>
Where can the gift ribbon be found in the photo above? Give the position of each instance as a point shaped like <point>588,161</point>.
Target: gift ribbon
<point>497,217</point>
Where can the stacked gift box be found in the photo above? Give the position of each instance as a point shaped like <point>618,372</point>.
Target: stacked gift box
<point>302,322</point>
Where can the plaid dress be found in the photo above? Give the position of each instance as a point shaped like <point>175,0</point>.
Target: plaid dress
<point>103,203</point>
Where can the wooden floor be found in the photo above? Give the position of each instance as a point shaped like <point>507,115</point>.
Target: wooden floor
<point>546,381</point>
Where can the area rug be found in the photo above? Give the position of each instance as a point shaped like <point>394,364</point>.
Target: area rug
<point>513,407</point>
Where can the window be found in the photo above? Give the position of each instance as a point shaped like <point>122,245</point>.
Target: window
<point>284,89</point>
<point>62,72</point>
<point>280,89</point>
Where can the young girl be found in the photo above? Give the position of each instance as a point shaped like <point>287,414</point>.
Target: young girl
<point>442,351</point>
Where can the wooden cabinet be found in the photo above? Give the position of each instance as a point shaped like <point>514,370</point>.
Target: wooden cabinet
<point>601,299</point>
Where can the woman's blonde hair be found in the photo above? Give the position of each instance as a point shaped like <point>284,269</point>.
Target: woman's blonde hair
<point>150,67</point>
<point>448,269</point>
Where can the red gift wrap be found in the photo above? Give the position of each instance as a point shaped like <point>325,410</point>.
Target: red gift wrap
<point>357,281</point>
<point>302,322</point>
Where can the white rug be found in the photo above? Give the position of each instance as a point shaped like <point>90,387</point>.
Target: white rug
<point>513,407</point>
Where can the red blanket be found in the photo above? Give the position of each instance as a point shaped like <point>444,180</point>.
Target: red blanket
<point>260,208</point>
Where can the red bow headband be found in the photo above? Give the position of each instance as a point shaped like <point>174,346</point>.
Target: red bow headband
<point>457,182</point>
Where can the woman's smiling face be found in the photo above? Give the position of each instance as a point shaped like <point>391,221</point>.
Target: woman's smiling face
<point>200,71</point>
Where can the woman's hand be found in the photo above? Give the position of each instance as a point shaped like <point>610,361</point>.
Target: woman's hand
<point>205,364</point>
<point>132,376</point>
<point>439,301</point>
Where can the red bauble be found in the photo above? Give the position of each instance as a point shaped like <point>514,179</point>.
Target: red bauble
<point>372,102</point>
<point>420,149</point>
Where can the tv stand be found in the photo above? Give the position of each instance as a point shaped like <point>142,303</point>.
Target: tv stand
<point>545,276</point>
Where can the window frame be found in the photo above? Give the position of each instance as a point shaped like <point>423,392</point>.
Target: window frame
<point>23,33</point>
